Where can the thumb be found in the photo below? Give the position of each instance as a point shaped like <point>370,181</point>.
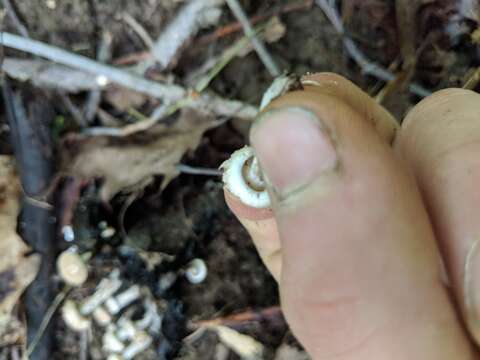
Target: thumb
<point>356,241</point>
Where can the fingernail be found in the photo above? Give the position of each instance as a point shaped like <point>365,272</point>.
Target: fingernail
<point>293,148</point>
<point>472,289</point>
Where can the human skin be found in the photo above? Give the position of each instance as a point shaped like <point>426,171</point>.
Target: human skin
<point>364,215</point>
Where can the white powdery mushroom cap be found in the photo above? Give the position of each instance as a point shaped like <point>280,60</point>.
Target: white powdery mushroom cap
<point>243,179</point>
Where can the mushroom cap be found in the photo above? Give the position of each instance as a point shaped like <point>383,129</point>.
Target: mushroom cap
<point>196,271</point>
<point>72,317</point>
<point>71,268</point>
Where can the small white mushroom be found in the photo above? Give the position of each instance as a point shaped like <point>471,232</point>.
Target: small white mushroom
<point>101,316</point>
<point>166,281</point>
<point>68,233</point>
<point>105,290</point>
<point>140,343</point>
<point>114,357</point>
<point>111,343</point>
<point>243,178</point>
<point>71,267</point>
<point>107,233</point>
<point>126,329</point>
<point>72,317</point>
<point>196,271</point>
<point>116,304</point>
<point>148,316</point>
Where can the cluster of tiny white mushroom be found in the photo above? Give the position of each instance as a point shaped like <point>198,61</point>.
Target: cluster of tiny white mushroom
<point>123,338</point>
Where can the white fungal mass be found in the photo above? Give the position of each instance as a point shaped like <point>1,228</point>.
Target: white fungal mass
<point>243,178</point>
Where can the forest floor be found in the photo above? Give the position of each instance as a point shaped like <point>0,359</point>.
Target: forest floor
<point>132,185</point>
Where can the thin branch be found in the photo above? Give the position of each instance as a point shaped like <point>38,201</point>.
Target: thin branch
<point>14,18</point>
<point>473,79</point>
<point>368,67</point>
<point>190,19</point>
<point>94,96</point>
<point>46,319</point>
<point>187,169</point>
<point>45,74</point>
<point>172,94</point>
<point>77,115</point>
<point>104,72</point>
<point>138,29</point>
<point>258,45</point>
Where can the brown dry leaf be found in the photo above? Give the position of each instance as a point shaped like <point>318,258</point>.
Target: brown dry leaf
<point>17,270</point>
<point>131,162</point>
<point>287,352</point>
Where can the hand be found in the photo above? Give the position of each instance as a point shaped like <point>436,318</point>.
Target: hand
<point>360,227</point>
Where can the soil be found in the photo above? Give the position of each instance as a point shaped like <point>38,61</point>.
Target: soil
<point>189,219</point>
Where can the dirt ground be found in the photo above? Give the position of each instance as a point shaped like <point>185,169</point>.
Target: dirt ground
<point>189,219</point>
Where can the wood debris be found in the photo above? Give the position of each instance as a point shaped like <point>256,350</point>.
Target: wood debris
<point>45,74</point>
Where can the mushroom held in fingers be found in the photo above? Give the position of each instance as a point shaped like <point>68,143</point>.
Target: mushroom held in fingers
<point>243,179</point>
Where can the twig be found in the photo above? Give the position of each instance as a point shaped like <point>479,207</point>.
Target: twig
<point>14,18</point>
<point>95,95</point>
<point>138,29</point>
<point>77,115</point>
<point>367,66</point>
<point>473,79</point>
<point>187,169</point>
<point>171,94</point>
<point>236,26</point>
<point>226,57</point>
<point>240,319</point>
<point>46,319</point>
<point>258,45</point>
<point>190,19</point>
<point>406,13</point>
<point>104,72</point>
<point>45,74</point>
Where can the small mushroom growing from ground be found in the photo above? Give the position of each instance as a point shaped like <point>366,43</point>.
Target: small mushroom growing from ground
<point>72,317</point>
<point>71,267</point>
<point>243,178</point>
<point>196,271</point>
